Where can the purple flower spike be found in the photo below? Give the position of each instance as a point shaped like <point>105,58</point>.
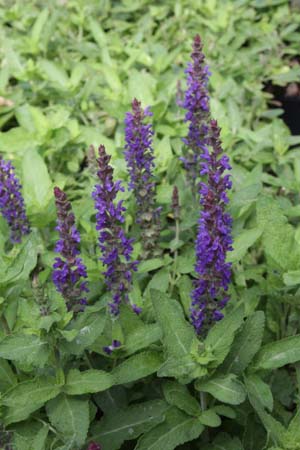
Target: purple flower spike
<point>139,158</point>
<point>12,203</point>
<point>214,238</point>
<point>116,248</point>
<point>68,268</point>
<point>196,103</point>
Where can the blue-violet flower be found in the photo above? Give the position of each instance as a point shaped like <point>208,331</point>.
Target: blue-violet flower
<point>69,270</point>
<point>115,247</point>
<point>12,203</point>
<point>140,163</point>
<point>214,237</point>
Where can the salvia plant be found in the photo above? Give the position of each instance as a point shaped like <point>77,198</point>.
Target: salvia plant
<point>117,332</point>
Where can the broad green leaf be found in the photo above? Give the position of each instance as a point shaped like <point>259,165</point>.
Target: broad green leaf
<point>128,424</point>
<point>178,395</point>
<point>242,242</point>
<point>277,354</point>
<point>221,335</point>
<point>29,435</point>
<point>136,367</point>
<point>89,381</point>
<point>70,417</point>
<point>7,376</point>
<point>163,154</point>
<point>260,389</point>
<point>25,348</point>
<point>178,333</point>
<point>37,185</point>
<point>246,344</point>
<point>39,441</point>
<point>210,418</point>
<point>54,73</point>
<point>291,278</point>
<point>142,337</point>
<point>27,397</point>
<point>112,400</point>
<point>176,430</point>
<point>141,85</point>
<point>227,389</point>
<point>150,264</point>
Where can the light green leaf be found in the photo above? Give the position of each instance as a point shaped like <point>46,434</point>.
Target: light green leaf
<point>27,397</point>
<point>70,416</point>
<point>137,367</point>
<point>242,242</point>
<point>89,381</point>
<point>54,73</point>
<point>178,333</point>
<point>261,390</point>
<point>128,424</point>
<point>7,376</point>
<point>163,154</point>
<point>25,348</point>
<point>278,354</point>
<point>142,337</point>
<point>176,430</point>
<point>291,278</point>
<point>227,389</point>
<point>210,418</point>
<point>246,344</point>
<point>178,395</point>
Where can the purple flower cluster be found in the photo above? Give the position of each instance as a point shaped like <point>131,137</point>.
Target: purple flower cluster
<point>139,158</point>
<point>116,248</point>
<point>196,102</point>
<point>68,268</point>
<point>214,237</point>
<point>110,348</point>
<point>11,202</point>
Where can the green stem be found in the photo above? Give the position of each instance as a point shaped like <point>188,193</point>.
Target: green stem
<point>203,401</point>
<point>174,272</point>
<point>5,325</point>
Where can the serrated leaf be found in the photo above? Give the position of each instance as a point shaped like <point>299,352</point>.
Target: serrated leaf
<point>142,337</point>
<point>246,344</point>
<point>178,395</point>
<point>128,424</point>
<point>137,367</point>
<point>178,334</point>
<point>27,397</point>
<point>25,348</point>
<point>227,389</point>
<point>89,381</point>
<point>70,417</point>
<point>7,376</point>
<point>260,389</point>
<point>210,418</point>
<point>176,430</point>
<point>278,354</point>
<point>221,335</point>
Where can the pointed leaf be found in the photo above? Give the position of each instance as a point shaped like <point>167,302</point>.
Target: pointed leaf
<point>89,381</point>
<point>278,354</point>
<point>227,389</point>
<point>137,367</point>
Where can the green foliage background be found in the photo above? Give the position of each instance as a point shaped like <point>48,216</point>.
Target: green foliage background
<point>71,69</point>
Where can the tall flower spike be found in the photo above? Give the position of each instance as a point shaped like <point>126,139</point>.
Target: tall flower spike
<point>214,238</point>
<point>12,203</point>
<point>69,270</point>
<point>139,158</point>
<point>116,248</point>
<point>196,103</point>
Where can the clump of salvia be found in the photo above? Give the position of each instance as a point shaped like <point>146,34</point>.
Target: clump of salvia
<point>140,162</point>
<point>115,247</point>
<point>69,271</point>
<point>12,203</point>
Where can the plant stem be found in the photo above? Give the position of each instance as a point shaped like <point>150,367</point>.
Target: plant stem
<point>203,401</point>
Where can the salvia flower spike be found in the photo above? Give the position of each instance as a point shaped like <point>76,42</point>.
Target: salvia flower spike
<point>140,162</point>
<point>11,202</point>
<point>69,270</point>
<point>196,104</point>
<point>214,237</point>
<point>115,247</point>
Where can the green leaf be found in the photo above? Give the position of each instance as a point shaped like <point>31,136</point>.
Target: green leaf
<point>246,344</point>
<point>291,278</point>
<point>128,424</point>
<point>70,417</point>
<point>142,337</point>
<point>178,395</point>
<point>39,441</point>
<point>150,264</point>
<point>178,333</point>
<point>278,354</point>
<point>7,376</point>
<point>210,418</point>
<point>89,381</point>
<point>25,348</point>
<point>137,367</point>
<point>221,335</point>
<point>176,430</point>
<point>227,389</point>
<point>261,390</point>
<point>163,154</point>
<point>242,242</point>
<point>37,185</point>
<point>27,397</point>
<point>54,73</point>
